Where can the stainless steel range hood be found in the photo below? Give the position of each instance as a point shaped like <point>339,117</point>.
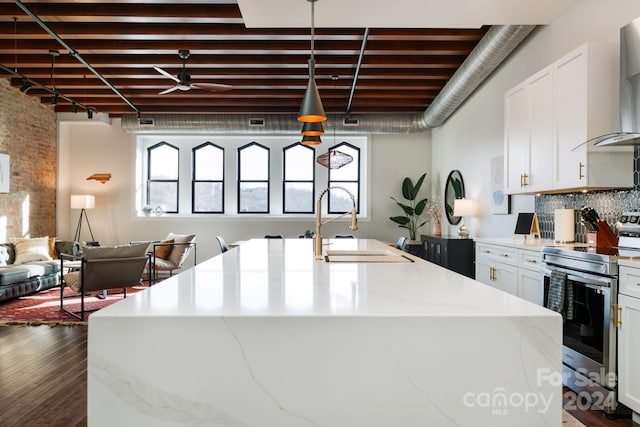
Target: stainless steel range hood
<point>629,89</point>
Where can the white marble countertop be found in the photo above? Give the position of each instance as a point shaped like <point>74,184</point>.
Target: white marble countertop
<point>274,277</point>
<point>520,243</point>
<point>265,335</point>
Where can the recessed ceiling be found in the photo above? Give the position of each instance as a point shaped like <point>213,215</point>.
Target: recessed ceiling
<point>402,13</point>
<point>401,69</point>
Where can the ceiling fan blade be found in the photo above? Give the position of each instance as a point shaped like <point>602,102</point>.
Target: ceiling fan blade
<point>164,73</point>
<point>212,87</point>
<point>171,89</point>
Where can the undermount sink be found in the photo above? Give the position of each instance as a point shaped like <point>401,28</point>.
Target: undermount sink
<point>364,255</point>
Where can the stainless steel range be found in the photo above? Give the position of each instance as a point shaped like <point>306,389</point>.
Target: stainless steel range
<point>589,276</point>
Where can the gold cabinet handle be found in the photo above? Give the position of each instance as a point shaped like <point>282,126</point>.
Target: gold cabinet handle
<point>618,316</point>
<point>521,180</point>
<point>580,169</point>
<point>525,180</point>
<point>492,274</point>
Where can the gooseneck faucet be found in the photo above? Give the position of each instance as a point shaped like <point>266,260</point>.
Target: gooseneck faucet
<point>318,236</point>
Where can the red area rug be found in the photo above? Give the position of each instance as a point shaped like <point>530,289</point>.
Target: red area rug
<point>43,308</point>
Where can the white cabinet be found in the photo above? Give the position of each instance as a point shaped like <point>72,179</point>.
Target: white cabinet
<point>549,116</point>
<point>529,134</point>
<point>586,96</point>
<point>530,286</point>
<point>628,311</point>
<point>509,269</point>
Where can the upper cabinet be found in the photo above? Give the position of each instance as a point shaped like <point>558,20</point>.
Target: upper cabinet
<point>529,134</point>
<point>550,116</point>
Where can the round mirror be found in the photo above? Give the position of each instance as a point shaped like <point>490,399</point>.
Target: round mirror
<point>453,189</point>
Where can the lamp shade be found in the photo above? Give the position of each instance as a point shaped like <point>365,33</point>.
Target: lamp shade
<point>83,201</point>
<point>312,129</point>
<point>311,109</point>
<point>464,207</point>
<point>311,140</point>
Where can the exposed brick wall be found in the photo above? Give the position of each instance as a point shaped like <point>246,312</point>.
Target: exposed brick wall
<point>28,136</point>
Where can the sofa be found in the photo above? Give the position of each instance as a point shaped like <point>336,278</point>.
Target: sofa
<point>25,267</point>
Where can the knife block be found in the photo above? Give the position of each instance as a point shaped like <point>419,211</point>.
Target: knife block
<point>603,237</point>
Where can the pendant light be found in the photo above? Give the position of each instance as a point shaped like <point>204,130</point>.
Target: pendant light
<point>312,129</point>
<point>311,140</point>
<point>311,109</point>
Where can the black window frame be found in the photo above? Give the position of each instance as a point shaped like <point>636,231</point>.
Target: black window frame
<point>331,183</point>
<point>241,181</point>
<point>285,181</point>
<point>150,180</point>
<point>195,181</point>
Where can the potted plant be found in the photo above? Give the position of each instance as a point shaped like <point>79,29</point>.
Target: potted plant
<point>146,210</point>
<point>413,208</point>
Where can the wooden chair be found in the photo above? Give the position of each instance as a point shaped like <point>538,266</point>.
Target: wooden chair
<point>103,268</point>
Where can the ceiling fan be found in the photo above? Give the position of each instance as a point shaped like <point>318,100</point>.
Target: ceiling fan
<point>183,79</point>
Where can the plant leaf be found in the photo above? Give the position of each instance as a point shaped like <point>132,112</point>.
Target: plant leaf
<point>416,188</point>
<point>407,189</point>
<point>402,220</point>
<point>420,206</point>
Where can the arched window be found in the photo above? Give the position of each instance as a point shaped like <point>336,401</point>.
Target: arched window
<point>208,179</point>
<point>298,178</point>
<point>162,177</point>
<point>348,176</point>
<point>253,178</point>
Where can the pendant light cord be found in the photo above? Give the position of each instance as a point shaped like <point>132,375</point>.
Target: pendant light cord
<point>313,31</point>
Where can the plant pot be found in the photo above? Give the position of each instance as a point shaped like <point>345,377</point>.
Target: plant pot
<point>437,229</point>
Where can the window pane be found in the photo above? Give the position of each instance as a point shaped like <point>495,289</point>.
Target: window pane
<point>164,194</point>
<point>208,197</point>
<point>339,201</point>
<point>209,163</point>
<point>298,197</point>
<point>348,172</point>
<point>253,197</point>
<point>254,163</point>
<point>299,164</point>
<point>163,162</point>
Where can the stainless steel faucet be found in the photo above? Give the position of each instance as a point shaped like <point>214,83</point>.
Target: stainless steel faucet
<point>318,236</point>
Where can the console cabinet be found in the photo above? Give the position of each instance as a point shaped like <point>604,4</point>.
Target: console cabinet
<point>452,253</point>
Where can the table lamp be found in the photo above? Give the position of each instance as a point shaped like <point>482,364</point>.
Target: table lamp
<point>462,208</point>
<point>83,202</point>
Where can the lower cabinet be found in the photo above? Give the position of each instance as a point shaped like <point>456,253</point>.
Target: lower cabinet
<point>513,270</point>
<point>452,253</point>
<point>628,315</point>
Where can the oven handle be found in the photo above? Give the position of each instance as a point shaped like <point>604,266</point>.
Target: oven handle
<point>584,279</point>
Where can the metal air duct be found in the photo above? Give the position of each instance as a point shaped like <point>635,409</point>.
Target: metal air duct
<point>494,47</point>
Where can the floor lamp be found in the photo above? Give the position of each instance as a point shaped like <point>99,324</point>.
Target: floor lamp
<point>83,202</point>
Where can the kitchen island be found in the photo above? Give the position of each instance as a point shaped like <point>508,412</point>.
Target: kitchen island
<point>264,335</point>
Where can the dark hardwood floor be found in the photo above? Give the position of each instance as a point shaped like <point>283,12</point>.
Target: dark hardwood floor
<point>43,379</point>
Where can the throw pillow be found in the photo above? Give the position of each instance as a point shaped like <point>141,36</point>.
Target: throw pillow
<point>178,253</point>
<point>31,249</point>
<point>52,248</point>
<point>72,280</point>
<point>163,251</point>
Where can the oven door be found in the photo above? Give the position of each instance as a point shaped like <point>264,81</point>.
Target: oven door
<point>588,336</point>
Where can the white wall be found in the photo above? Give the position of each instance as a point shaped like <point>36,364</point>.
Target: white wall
<point>474,134</point>
<point>86,148</point>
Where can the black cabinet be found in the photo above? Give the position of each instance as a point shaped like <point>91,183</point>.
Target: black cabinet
<point>450,252</point>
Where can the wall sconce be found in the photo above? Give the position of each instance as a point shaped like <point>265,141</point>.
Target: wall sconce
<point>102,177</point>
<point>462,208</point>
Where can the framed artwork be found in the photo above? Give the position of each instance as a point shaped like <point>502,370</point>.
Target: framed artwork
<point>499,200</point>
<point>4,173</point>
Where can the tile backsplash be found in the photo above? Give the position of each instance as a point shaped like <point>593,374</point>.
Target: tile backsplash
<point>609,204</point>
